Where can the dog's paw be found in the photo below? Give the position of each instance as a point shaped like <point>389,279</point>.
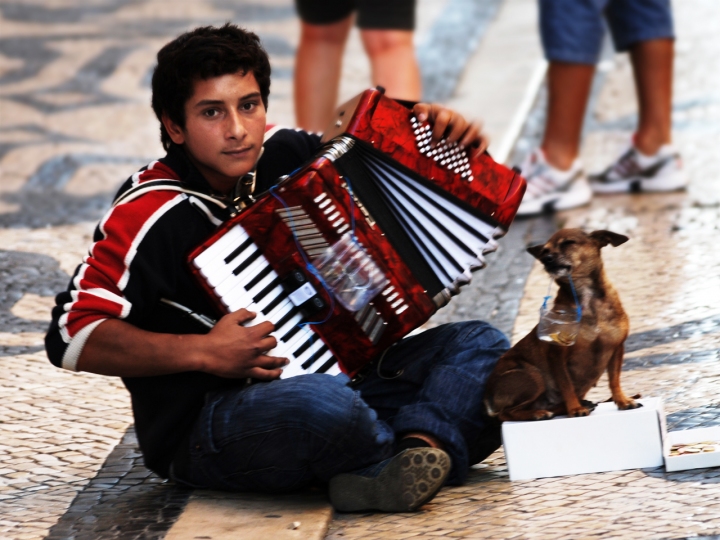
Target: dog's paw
<point>589,405</point>
<point>578,411</point>
<point>543,415</point>
<point>629,404</point>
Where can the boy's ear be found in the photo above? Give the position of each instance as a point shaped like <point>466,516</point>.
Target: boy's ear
<point>176,133</point>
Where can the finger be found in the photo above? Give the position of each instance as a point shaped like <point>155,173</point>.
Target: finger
<point>242,315</point>
<point>472,136</point>
<point>270,363</point>
<point>268,367</point>
<point>440,124</point>
<point>267,344</point>
<point>482,145</point>
<point>260,330</point>
<point>458,129</point>
<point>422,111</point>
<point>264,374</point>
<point>475,140</point>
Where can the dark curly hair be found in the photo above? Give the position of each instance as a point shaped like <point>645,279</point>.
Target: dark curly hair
<point>201,54</point>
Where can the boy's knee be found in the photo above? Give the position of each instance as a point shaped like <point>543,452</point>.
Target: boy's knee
<point>317,388</point>
<point>493,336</point>
<point>338,411</point>
<point>326,400</point>
<point>483,335</point>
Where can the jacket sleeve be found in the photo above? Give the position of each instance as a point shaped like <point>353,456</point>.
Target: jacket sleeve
<point>119,275</point>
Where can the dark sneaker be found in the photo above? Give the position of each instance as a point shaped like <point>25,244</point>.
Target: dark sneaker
<point>635,172</point>
<point>402,483</point>
<point>550,189</point>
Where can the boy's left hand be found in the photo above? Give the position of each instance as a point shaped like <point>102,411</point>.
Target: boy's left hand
<point>452,126</point>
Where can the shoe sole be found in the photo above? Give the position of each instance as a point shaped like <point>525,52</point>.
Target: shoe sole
<point>669,181</point>
<point>637,185</point>
<point>579,195</point>
<point>410,480</point>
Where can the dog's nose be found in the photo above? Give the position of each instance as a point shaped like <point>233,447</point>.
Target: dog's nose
<point>547,258</point>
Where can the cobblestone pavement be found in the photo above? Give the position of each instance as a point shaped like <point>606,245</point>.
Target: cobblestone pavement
<point>667,277</point>
<point>75,119</point>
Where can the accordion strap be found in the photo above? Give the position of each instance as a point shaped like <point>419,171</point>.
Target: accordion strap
<point>163,185</point>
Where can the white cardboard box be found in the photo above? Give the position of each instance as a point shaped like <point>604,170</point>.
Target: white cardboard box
<point>691,461</point>
<point>606,440</point>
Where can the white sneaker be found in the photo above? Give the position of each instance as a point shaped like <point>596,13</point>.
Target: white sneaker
<point>550,189</point>
<point>635,172</point>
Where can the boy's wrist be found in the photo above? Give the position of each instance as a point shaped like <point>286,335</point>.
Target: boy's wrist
<point>192,352</point>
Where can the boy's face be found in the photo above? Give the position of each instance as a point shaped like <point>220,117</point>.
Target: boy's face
<point>224,128</point>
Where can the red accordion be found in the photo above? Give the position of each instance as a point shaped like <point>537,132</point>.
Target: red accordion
<point>367,241</point>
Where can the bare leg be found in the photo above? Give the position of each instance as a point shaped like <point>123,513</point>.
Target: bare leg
<point>393,62</point>
<point>568,91</point>
<point>653,68</point>
<point>317,72</point>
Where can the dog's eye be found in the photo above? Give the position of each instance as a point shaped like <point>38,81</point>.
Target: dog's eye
<point>566,243</point>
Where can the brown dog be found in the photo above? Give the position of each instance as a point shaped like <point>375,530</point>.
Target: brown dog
<point>537,379</point>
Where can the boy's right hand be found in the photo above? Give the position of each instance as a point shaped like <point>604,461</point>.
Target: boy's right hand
<point>235,351</point>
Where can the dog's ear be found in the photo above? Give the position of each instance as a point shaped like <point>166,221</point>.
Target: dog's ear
<point>535,250</point>
<point>603,238</point>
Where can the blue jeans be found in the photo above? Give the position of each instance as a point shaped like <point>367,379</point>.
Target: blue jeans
<point>290,433</point>
<point>572,30</point>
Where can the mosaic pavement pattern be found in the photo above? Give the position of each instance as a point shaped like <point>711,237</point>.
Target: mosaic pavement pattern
<point>74,96</point>
<point>668,278</point>
<point>75,121</point>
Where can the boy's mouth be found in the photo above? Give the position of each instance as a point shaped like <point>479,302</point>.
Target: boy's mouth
<point>237,152</point>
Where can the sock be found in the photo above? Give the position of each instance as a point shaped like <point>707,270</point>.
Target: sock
<point>646,161</point>
<point>561,175</point>
<point>411,442</point>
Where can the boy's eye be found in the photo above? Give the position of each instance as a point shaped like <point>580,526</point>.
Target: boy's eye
<point>211,112</point>
<point>248,106</point>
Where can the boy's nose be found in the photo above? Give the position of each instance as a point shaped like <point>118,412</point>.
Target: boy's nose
<point>236,127</point>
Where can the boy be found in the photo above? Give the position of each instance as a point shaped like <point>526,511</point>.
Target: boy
<point>383,442</point>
